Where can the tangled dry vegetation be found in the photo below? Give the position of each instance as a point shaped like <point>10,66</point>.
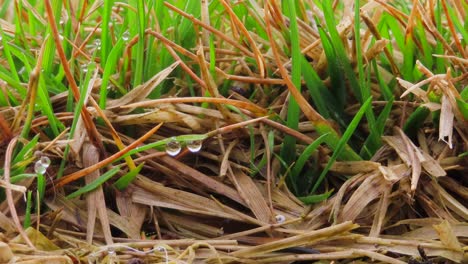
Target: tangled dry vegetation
<point>406,204</point>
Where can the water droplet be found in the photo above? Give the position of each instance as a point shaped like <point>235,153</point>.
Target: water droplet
<point>1,37</point>
<point>61,37</point>
<point>97,44</point>
<point>22,70</point>
<point>126,36</point>
<point>194,145</point>
<point>61,22</point>
<point>173,147</point>
<point>112,255</point>
<point>39,167</point>
<point>45,161</point>
<point>280,218</point>
<point>84,68</point>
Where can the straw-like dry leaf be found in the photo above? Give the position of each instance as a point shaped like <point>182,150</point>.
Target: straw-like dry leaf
<point>95,199</point>
<point>354,167</point>
<point>370,189</point>
<point>253,198</point>
<point>140,92</point>
<point>40,241</point>
<point>446,121</point>
<point>449,239</point>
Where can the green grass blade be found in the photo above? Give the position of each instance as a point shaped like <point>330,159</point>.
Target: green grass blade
<point>125,180</point>
<point>305,155</point>
<point>106,40</point>
<point>110,67</point>
<point>27,150</point>
<point>318,92</point>
<point>27,214</point>
<point>416,120</point>
<point>342,143</point>
<point>317,198</point>
<point>288,150</point>
<point>95,184</point>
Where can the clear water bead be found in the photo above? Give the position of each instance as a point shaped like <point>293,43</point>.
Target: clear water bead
<point>112,255</point>
<point>126,36</point>
<point>173,147</point>
<point>45,161</point>
<point>39,168</point>
<point>280,218</point>
<point>194,145</point>
<point>97,44</point>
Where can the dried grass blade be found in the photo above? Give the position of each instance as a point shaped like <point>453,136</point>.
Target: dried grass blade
<point>307,238</point>
<point>252,196</point>
<point>95,200</point>
<point>200,178</point>
<point>370,189</point>
<point>140,92</point>
<point>9,195</point>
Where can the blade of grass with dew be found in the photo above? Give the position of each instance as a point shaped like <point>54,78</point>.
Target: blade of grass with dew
<point>288,149</point>
<point>28,209</point>
<point>95,184</point>
<point>76,115</point>
<point>109,68</point>
<point>342,142</point>
<point>317,198</point>
<point>160,143</point>
<point>125,180</point>
<point>105,36</point>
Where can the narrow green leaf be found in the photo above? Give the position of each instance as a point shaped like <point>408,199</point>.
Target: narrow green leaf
<point>125,180</point>
<point>312,199</point>
<point>342,143</point>
<point>95,184</point>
